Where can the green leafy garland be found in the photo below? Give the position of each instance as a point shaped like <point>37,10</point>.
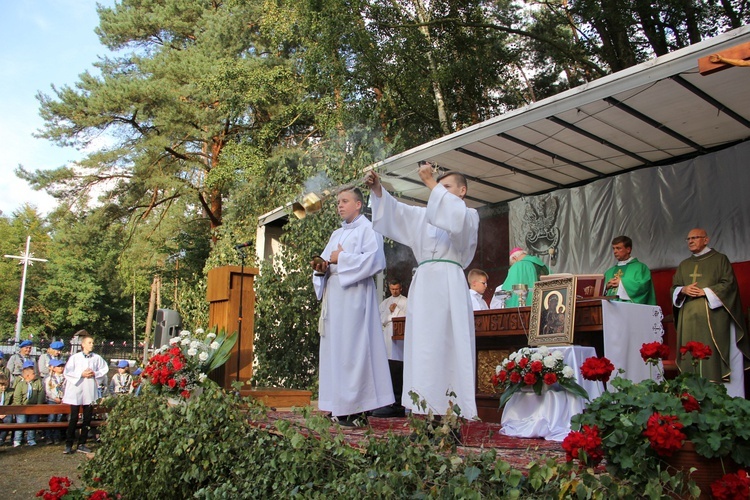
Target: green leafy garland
<point>207,448</point>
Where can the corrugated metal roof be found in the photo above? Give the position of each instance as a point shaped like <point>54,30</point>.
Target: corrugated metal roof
<point>659,112</point>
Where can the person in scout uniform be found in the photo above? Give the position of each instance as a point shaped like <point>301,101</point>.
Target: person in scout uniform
<point>28,390</point>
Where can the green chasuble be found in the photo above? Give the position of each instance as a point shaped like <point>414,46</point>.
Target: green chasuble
<point>695,320</point>
<point>636,278</point>
<point>525,271</point>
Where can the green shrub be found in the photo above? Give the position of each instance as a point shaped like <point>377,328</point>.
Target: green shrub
<point>151,450</point>
<point>207,449</point>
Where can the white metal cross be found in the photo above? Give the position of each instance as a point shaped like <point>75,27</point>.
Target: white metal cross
<point>27,260</point>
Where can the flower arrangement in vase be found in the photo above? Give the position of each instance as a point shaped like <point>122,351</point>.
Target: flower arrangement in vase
<point>181,367</point>
<point>637,427</point>
<point>534,369</point>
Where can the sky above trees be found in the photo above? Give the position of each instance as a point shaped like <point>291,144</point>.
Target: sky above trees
<point>41,42</point>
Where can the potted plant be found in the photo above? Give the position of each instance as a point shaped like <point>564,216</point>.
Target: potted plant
<point>640,427</point>
<point>535,370</point>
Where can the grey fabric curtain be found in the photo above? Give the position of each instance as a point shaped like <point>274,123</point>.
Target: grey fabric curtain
<point>656,207</point>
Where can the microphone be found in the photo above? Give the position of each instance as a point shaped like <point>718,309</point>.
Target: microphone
<point>243,245</point>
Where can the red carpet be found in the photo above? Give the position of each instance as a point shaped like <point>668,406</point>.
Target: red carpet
<point>475,437</point>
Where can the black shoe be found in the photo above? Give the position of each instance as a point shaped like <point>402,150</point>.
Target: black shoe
<point>68,450</point>
<point>390,411</point>
<point>356,420</point>
<point>83,449</point>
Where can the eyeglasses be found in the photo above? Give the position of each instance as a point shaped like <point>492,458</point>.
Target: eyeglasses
<point>690,238</point>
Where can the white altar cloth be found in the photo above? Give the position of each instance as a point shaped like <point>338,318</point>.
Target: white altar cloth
<point>548,415</point>
<point>627,327</point>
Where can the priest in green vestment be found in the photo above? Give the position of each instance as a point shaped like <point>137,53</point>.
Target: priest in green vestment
<point>708,310</point>
<point>524,270</point>
<point>629,280</point>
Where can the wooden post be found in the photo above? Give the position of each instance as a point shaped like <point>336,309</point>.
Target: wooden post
<point>149,320</point>
<point>223,296</point>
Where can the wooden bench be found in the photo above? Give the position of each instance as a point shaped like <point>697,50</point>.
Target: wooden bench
<point>43,411</point>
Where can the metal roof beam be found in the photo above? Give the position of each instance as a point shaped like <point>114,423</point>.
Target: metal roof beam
<point>650,121</point>
<point>510,169</point>
<point>713,102</point>
<point>550,154</point>
<point>468,177</point>
<point>598,139</point>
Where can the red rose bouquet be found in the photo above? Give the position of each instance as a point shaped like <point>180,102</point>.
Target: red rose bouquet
<point>535,369</point>
<point>184,364</point>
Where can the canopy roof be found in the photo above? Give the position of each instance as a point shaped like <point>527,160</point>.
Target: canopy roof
<point>659,112</point>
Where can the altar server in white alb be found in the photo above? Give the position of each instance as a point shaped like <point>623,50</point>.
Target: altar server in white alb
<point>354,375</point>
<point>393,307</point>
<point>439,337</point>
<point>84,371</point>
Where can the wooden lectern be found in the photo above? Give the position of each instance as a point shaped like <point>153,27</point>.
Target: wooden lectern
<point>223,295</point>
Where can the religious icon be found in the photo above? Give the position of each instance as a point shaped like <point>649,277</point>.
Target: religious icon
<point>552,312</point>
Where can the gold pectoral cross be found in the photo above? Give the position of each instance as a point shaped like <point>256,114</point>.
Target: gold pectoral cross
<point>695,274</point>
<point>619,273</point>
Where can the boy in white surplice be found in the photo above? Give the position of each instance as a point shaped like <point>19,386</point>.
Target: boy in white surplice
<point>439,338</point>
<point>354,374</point>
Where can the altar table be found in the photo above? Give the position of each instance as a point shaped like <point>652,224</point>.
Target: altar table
<point>613,329</point>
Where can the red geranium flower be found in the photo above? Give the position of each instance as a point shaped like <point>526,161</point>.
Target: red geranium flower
<point>502,376</point>
<point>597,369</point>
<point>664,433</point>
<point>731,486</point>
<point>587,440</point>
<point>523,363</point>
<point>510,366</point>
<point>550,378</point>
<point>529,379</point>
<point>171,383</point>
<point>58,488</point>
<point>689,402</point>
<point>653,351</point>
<point>515,377</point>
<point>697,350</point>
<point>537,366</point>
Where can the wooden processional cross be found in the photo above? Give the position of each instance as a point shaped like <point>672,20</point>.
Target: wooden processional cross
<point>739,55</point>
<point>27,260</point>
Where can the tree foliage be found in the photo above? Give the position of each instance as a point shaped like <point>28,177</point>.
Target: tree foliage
<point>205,115</point>
<point>80,292</point>
<point>14,230</point>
